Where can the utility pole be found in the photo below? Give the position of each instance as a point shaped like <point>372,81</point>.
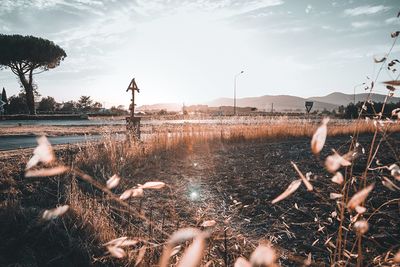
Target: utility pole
<point>234,92</point>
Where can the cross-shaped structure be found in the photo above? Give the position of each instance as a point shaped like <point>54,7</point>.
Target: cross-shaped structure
<point>132,122</point>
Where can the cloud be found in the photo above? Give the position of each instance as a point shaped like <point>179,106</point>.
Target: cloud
<point>347,54</point>
<point>335,28</point>
<point>4,28</point>
<point>287,29</point>
<point>366,10</point>
<point>393,21</point>
<point>362,24</point>
<point>226,7</point>
<point>91,6</point>
<point>308,9</point>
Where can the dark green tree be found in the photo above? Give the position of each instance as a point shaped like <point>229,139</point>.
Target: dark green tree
<point>341,109</point>
<point>351,111</point>
<point>85,103</point>
<point>26,54</point>
<point>119,110</point>
<point>47,104</point>
<point>5,100</point>
<point>69,106</point>
<point>17,104</point>
<point>97,106</point>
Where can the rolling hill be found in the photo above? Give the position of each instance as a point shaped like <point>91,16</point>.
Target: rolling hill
<point>345,99</point>
<point>280,102</point>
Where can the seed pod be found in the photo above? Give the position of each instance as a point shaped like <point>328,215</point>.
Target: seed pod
<point>319,137</point>
<point>361,227</point>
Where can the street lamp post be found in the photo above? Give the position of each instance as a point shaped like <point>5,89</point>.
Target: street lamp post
<point>234,92</point>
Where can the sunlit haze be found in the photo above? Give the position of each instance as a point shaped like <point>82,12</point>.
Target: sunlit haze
<point>189,51</point>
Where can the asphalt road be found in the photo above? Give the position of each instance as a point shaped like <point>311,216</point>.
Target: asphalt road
<point>27,141</point>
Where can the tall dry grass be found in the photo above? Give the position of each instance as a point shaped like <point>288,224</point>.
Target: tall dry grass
<point>98,214</point>
<point>359,186</point>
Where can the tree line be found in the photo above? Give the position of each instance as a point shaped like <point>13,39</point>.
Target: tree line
<point>351,111</point>
<point>16,104</point>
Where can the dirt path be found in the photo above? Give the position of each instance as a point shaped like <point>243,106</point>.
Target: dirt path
<point>238,181</point>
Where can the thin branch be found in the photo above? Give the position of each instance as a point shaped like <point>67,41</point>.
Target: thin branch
<point>381,206</point>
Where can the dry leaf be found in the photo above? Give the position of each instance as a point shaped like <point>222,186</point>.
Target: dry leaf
<point>319,137</point>
<point>128,243</point>
<point>335,195</point>
<point>361,227</point>
<point>44,150</point>
<point>360,209</point>
<point>308,261</point>
<point>113,181</point>
<point>137,192</point>
<point>391,88</point>
<point>133,192</point>
<point>209,223</point>
<point>242,262</point>
<point>126,194</point>
<point>338,178</point>
<point>42,153</point>
<point>32,162</point>
<point>47,172</point>
<point>179,236</point>
<point>396,112</point>
<point>396,257</point>
<point>327,241</point>
<point>140,256</point>
<point>263,255</point>
<point>183,235</point>
<point>335,161</point>
<point>395,171</point>
<point>353,219</point>
<point>394,82</point>
<point>291,188</point>
<point>194,253</point>
<point>54,213</point>
<point>395,34</point>
<point>152,185</point>
<point>175,250</point>
<point>379,60</point>
<point>116,242</point>
<point>389,184</point>
<point>121,242</point>
<point>304,179</point>
<point>359,197</point>
<point>116,252</point>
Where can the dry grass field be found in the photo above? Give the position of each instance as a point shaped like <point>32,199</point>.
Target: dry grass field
<point>215,181</point>
<point>249,181</point>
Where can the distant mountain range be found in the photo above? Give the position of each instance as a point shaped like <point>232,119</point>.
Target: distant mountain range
<point>279,102</point>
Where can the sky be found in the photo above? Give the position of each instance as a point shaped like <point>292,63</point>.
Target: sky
<point>190,51</point>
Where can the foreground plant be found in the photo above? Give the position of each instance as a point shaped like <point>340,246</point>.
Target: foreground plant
<point>44,154</point>
<point>263,255</point>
